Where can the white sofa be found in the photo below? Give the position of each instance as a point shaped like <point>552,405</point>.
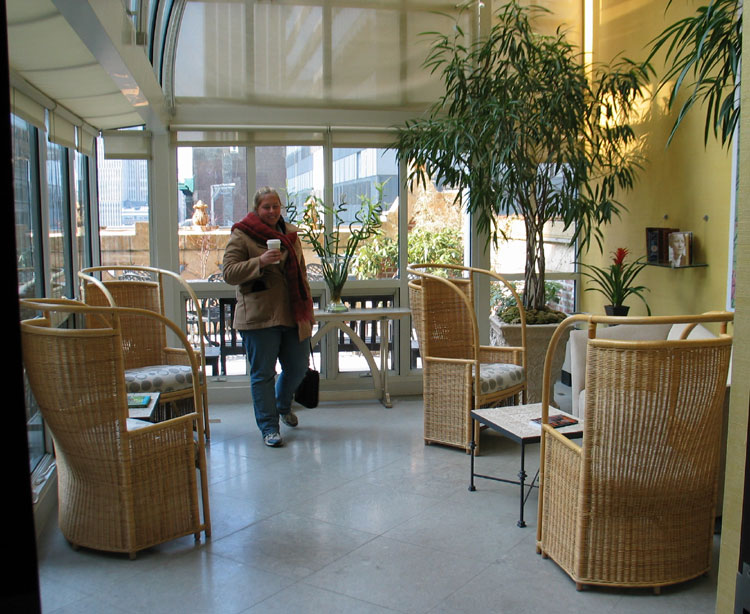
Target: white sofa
<point>641,332</point>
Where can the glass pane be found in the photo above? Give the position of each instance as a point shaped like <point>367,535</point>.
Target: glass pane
<point>26,205</point>
<point>26,208</point>
<point>310,52</point>
<point>82,209</point>
<point>436,224</point>
<point>436,235</point>
<point>123,210</point>
<point>366,55</point>
<point>212,192</point>
<point>509,257</point>
<point>298,170</point>
<point>356,174</point>
<point>59,237</point>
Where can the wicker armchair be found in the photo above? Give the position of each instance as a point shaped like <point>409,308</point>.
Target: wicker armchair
<point>123,485</point>
<point>633,506</point>
<point>150,364</point>
<point>444,317</point>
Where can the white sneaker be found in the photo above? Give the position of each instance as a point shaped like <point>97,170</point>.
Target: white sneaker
<point>272,440</point>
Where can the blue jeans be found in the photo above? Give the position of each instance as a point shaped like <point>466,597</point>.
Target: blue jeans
<point>263,346</point>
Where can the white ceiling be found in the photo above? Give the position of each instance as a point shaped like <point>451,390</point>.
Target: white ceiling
<point>48,53</point>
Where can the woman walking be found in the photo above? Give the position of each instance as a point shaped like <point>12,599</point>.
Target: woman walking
<point>274,312</point>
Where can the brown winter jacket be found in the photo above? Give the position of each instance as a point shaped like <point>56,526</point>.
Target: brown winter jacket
<point>262,294</point>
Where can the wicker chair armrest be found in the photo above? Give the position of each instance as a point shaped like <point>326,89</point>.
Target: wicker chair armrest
<point>561,439</point>
<point>456,361</point>
<point>505,354</point>
<point>163,425</point>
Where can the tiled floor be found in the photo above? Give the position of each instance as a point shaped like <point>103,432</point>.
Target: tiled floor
<point>353,515</point>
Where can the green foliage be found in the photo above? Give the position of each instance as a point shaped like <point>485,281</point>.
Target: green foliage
<point>336,255</point>
<point>376,256</point>
<point>381,254</point>
<point>504,304</point>
<point>705,47</point>
<point>524,130</point>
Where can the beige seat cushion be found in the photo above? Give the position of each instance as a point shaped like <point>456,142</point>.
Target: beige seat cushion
<point>495,377</point>
<point>159,378</point>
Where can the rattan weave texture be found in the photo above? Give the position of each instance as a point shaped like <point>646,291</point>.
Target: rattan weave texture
<point>444,318</point>
<point>118,490</point>
<point>634,505</point>
<point>145,341</point>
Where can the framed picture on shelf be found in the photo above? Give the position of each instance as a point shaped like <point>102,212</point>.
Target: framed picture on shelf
<point>680,248</point>
<point>657,247</point>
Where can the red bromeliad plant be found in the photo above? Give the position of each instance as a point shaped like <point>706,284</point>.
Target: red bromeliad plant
<point>616,281</point>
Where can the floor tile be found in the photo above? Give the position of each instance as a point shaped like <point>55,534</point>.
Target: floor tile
<point>396,575</point>
<point>353,515</point>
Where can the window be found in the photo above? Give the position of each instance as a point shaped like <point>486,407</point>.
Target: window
<point>123,210</point>
<point>82,223</point>
<point>212,195</point>
<point>509,259</point>
<point>26,194</point>
<point>28,253</point>
<point>58,194</point>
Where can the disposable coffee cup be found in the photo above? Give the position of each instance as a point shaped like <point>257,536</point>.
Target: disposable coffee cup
<point>273,243</point>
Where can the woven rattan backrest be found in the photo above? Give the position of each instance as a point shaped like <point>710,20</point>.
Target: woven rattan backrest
<point>443,317</point>
<point>653,423</point>
<point>143,339</point>
<point>77,378</point>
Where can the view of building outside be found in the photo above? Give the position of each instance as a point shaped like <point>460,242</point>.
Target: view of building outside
<point>436,224</point>
<point>214,193</point>
<point>123,210</point>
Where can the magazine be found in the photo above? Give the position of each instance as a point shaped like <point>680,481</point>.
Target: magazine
<point>556,421</point>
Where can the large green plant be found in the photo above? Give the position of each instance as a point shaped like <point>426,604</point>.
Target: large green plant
<point>381,254</point>
<point>522,129</point>
<point>703,53</point>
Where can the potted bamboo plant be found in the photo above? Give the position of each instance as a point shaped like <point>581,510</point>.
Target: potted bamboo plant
<point>338,247</point>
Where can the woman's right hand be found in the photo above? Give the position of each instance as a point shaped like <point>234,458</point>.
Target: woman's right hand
<point>270,256</point>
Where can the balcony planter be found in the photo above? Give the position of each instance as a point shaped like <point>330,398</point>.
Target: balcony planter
<point>537,341</point>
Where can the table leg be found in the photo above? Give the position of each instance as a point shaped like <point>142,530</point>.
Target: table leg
<point>472,446</point>
<point>521,480</point>
<point>385,398</point>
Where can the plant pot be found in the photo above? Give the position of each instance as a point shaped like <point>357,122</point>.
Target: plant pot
<point>537,341</point>
<point>616,310</point>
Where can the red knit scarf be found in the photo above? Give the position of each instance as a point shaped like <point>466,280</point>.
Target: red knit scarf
<point>258,230</point>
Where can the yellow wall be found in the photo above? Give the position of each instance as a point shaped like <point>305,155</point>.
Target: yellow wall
<point>684,182</point>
